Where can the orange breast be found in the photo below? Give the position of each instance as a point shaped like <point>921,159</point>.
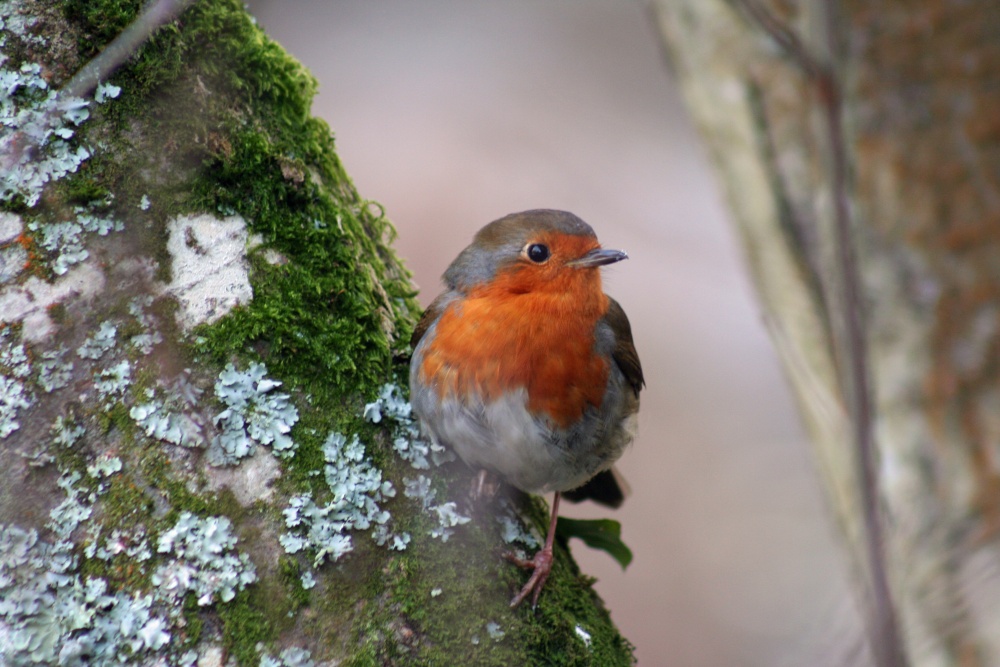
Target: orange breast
<point>495,341</point>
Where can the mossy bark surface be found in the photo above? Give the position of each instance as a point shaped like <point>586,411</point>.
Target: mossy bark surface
<point>200,319</point>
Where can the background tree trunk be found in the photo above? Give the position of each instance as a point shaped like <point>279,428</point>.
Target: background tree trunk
<point>207,457</point>
<point>922,117</point>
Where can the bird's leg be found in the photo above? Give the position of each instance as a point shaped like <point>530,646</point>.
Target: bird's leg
<point>485,485</point>
<point>541,563</point>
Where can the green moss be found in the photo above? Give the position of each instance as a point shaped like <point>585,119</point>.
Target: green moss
<point>57,312</point>
<point>84,189</point>
<point>100,21</point>
<point>244,625</point>
<point>193,621</point>
<point>290,574</point>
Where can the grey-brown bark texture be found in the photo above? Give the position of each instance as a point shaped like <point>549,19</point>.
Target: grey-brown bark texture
<point>206,454</point>
<point>921,114</point>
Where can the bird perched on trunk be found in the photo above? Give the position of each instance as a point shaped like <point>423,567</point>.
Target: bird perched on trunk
<point>526,368</point>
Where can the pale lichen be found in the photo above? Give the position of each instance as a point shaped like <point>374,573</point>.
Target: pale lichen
<point>100,342</point>
<point>66,240</point>
<point>50,613</point>
<point>407,440</point>
<point>29,302</point>
<point>209,268</point>
<point>356,487</point>
<point>205,562</point>
<point>290,657</point>
<point>53,370</point>
<point>159,423</point>
<point>39,117</point>
<point>54,616</point>
<point>150,335</point>
<point>14,395</point>
<point>255,414</point>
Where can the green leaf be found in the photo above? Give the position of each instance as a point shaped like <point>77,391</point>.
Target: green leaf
<point>602,534</point>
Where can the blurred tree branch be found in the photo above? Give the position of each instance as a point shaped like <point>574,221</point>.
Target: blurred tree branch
<point>875,129</point>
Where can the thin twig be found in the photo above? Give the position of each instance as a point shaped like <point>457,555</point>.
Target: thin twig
<point>885,637</point>
<point>156,14</point>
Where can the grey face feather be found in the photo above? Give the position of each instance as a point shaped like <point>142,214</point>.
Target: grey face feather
<point>499,243</point>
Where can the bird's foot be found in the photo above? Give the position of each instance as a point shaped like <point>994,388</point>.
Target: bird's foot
<point>542,566</point>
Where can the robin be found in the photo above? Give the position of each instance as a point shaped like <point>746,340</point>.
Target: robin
<point>526,368</point>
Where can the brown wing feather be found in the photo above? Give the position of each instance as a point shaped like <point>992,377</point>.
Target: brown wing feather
<point>624,353</point>
<point>427,319</point>
<point>609,487</point>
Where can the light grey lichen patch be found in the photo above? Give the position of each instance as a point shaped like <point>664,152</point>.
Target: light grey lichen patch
<point>174,419</point>
<point>11,226</point>
<point>205,562</point>
<point>100,342</point>
<point>29,302</point>
<point>39,143</point>
<point>162,424</point>
<point>35,116</point>
<point>53,369</point>
<point>150,335</point>
<point>54,616</point>
<point>65,241</point>
<point>21,22</point>
<point>112,382</point>
<point>14,395</point>
<point>13,398</point>
<point>66,432</point>
<point>13,357</point>
<point>51,614</point>
<point>407,441</point>
<point>209,268</point>
<point>13,256</point>
<point>356,489</point>
<point>512,528</point>
<point>12,261</point>
<point>290,657</point>
<point>419,453</point>
<point>105,92</point>
<point>132,544</point>
<point>494,631</point>
<point>255,414</point>
<point>448,517</point>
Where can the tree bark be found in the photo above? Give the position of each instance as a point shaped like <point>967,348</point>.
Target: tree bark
<point>921,120</point>
<point>208,457</point>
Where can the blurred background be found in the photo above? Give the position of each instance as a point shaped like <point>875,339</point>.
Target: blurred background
<point>454,113</point>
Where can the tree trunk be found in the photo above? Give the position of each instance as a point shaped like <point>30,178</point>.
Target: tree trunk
<point>921,117</point>
<point>208,457</point>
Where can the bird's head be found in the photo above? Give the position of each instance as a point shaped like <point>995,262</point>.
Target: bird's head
<point>534,251</point>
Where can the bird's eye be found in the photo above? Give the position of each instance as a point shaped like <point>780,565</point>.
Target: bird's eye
<point>538,252</point>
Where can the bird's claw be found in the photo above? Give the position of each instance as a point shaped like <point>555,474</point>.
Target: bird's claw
<point>542,566</point>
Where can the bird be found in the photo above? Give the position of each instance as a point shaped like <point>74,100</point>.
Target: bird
<point>527,370</point>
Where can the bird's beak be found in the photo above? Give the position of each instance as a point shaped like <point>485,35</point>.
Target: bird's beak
<point>598,257</point>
